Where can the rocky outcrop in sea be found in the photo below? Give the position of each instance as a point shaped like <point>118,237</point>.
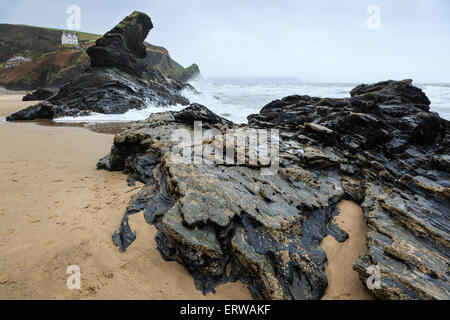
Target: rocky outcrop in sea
<point>118,79</point>
<point>227,217</point>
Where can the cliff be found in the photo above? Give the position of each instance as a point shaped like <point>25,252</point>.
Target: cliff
<point>158,58</point>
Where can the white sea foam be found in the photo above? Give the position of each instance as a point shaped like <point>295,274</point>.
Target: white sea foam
<point>236,101</point>
<point>129,116</point>
<point>439,95</point>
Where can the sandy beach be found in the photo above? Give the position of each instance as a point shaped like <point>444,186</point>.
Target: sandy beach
<point>57,210</point>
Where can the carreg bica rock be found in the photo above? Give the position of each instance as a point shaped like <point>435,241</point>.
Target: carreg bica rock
<point>117,80</point>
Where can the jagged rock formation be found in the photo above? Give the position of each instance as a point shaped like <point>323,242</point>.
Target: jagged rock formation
<point>38,95</point>
<point>381,148</point>
<point>398,153</point>
<point>117,81</point>
<point>214,218</point>
<point>123,46</point>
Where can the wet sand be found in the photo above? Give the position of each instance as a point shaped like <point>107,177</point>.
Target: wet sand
<point>343,281</point>
<point>57,210</point>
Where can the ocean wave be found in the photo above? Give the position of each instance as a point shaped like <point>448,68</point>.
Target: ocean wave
<point>129,116</point>
<point>439,95</point>
<point>236,102</point>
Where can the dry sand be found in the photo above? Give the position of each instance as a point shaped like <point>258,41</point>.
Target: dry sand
<point>57,210</point>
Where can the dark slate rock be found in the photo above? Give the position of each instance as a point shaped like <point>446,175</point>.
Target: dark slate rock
<point>38,95</point>
<point>123,46</point>
<point>393,92</point>
<point>337,233</point>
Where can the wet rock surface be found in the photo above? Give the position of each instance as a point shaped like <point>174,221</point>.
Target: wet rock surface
<point>118,79</point>
<point>228,221</point>
<point>38,95</point>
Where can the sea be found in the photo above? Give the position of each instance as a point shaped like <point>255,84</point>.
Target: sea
<point>236,99</point>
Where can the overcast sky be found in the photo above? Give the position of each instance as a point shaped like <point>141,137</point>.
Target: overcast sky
<point>315,40</point>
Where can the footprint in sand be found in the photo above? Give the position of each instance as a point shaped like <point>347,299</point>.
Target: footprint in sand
<point>7,232</point>
<point>7,282</point>
<point>344,296</point>
<point>108,275</point>
<point>125,267</point>
<point>90,291</point>
<point>78,228</point>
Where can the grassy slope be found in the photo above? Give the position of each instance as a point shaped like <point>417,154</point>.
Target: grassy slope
<point>54,64</point>
<point>82,36</point>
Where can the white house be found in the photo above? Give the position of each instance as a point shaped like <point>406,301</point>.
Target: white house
<point>74,39</point>
<point>67,38</point>
<point>64,39</point>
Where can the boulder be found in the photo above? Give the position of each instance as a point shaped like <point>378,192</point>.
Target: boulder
<point>393,92</point>
<point>218,218</point>
<point>123,46</point>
